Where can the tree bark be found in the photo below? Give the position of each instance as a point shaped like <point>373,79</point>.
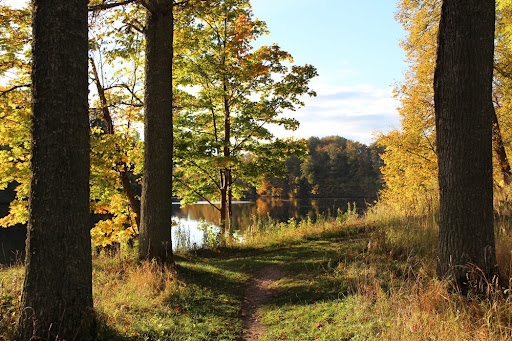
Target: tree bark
<point>57,293</point>
<point>463,106</point>
<point>156,203</point>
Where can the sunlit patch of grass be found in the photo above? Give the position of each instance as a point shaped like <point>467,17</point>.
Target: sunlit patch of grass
<point>353,278</point>
<point>380,285</point>
<point>270,233</point>
<point>124,291</point>
<point>340,319</point>
<point>11,282</point>
<point>149,302</point>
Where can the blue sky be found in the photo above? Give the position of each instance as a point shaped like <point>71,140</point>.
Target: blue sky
<point>355,47</point>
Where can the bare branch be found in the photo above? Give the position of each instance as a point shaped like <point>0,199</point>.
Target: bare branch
<point>104,6</point>
<point>126,87</point>
<point>196,192</point>
<point>135,105</point>
<point>418,155</point>
<point>4,92</point>
<point>135,27</point>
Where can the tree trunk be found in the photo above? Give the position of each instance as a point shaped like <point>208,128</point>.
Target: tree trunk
<point>57,293</point>
<point>230,203</point>
<point>156,205</point>
<point>463,105</point>
<point>224,208</point>
<point>124,174</point>
<point>226,185</point>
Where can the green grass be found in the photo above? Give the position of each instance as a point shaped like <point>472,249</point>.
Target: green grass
<point>369,278</point>
<point>11,283</point>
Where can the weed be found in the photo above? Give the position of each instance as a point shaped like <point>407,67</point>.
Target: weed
<point>370,277</point>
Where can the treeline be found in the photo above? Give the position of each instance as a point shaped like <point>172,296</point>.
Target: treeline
<point>333,167</point>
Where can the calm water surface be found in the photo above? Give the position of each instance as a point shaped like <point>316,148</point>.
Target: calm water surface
<point>189,220</point>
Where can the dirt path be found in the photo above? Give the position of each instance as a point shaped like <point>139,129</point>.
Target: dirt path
<point>259,292</point>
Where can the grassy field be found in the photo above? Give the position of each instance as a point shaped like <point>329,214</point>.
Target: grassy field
<point>349,278</point>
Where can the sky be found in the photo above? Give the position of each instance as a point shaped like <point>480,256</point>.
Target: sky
<point>355,47</point>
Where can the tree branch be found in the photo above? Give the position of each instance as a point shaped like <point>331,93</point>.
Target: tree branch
<point>196,192</point>
<point>418,155</point>
<point>206,173</point>
<point>104,6</point>
<point>131,104</point>
<point>126,87</point>
<point>238,145</point>
<point>4,92</point>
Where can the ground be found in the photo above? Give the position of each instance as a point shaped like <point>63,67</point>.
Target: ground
<point>260,290</point>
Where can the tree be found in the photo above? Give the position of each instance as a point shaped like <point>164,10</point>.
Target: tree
<point>156,204</point>
<point>410,170</point>
<point>463,107</point>
<point>337,167</point>
<point>15,56</point>
<point>116,149</point>
<point>116,73</point>
<point>234,93</point>
<point>57,292</point>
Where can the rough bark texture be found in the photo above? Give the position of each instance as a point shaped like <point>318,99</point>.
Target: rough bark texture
<point>463,104</point>
<point>57,293</point>
<point>156,206</point>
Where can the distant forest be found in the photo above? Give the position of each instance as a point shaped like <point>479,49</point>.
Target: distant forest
<point>334,167</point>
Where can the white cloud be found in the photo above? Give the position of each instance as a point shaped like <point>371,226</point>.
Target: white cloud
<point>354,112</point>
<point>15,3</point>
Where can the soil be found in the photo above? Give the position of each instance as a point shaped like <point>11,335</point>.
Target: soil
<point>259,292</point>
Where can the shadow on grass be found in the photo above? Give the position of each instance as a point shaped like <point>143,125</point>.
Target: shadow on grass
<point>311,267</point>
<point>207,304</point>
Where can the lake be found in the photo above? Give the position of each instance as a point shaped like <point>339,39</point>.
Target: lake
<point>191,221</point>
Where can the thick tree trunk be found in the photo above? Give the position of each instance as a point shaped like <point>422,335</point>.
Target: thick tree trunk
<point>463,104</point>
<point>57,293</point>
<point>156,205</point>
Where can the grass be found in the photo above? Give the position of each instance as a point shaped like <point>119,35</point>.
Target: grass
<point>347,278</point>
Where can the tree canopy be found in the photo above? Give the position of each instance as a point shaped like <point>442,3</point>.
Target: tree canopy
<point>229,96</point>
<point>410,156</point>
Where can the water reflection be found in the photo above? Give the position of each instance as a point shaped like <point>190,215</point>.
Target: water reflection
<point>189,221</point>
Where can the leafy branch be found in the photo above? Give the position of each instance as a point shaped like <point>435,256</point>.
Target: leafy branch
<point>199,194</point>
